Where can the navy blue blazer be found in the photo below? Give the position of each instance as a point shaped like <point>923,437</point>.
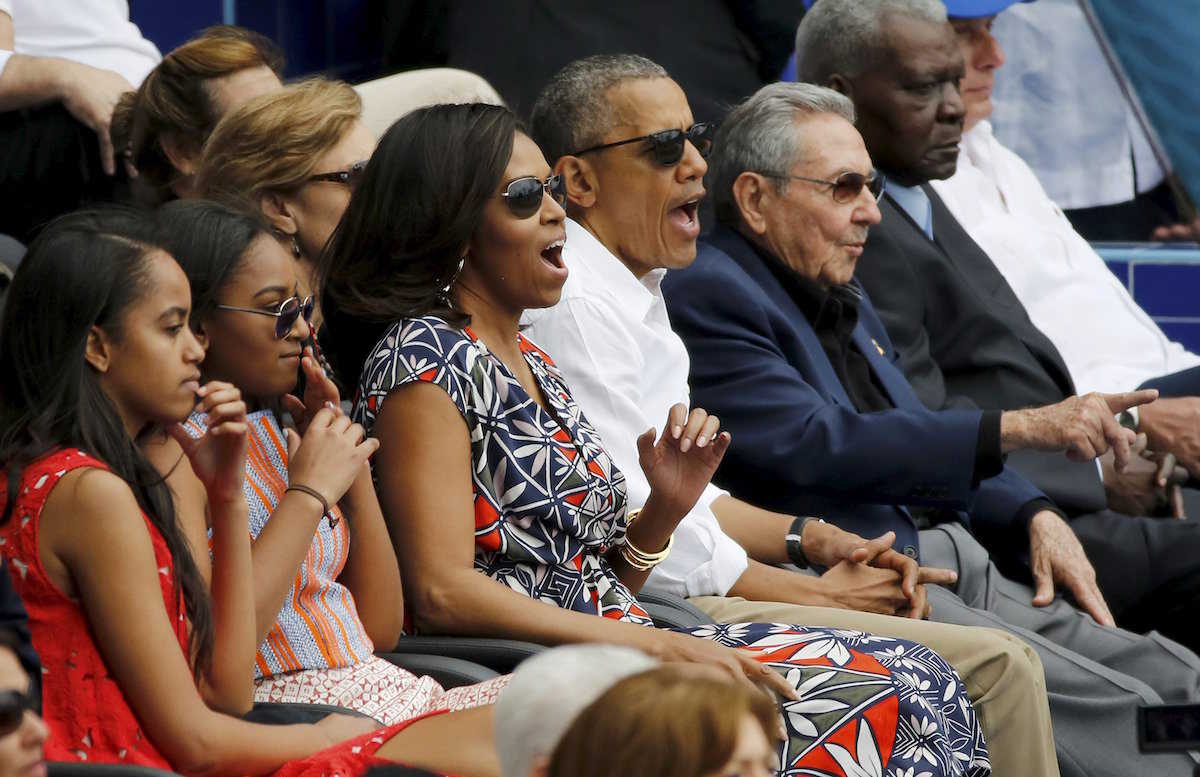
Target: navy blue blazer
<point>799,444</point>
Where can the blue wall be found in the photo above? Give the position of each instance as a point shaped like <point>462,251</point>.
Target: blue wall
<point>327,36</point>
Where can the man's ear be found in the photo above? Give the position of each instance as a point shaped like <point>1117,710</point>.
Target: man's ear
<point>582,185</point>
<point>278,212</point>
<point>839,83</point>
<point>749,191</point>
<point>97,351</point>
<point>178,154</point>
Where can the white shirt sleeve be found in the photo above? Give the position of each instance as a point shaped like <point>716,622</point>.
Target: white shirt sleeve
<point>604,374</point>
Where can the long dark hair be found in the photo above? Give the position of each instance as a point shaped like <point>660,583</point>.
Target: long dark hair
<point>400,243</point>
<point>85,270</point>
<point>209,241</point>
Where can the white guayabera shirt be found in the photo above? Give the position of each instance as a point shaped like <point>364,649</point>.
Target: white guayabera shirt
<point>1106,339</point>
<point>93,32</point>
<point>611,338</point>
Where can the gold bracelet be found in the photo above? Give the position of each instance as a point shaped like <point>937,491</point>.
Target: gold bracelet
<point>640,559</point>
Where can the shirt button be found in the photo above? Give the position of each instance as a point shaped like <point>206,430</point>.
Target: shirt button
<point>910,551</point>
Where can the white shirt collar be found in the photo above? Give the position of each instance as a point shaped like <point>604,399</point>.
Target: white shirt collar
<point>638,293</point>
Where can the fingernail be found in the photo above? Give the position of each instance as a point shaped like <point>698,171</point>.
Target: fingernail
<point>676,431</point>
<point>329,405</point>
<point>701,441</point>
<point>683,446</point>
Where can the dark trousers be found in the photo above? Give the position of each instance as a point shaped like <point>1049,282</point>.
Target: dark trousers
<point>1127,221</point>
<point>1148,570</point>
<point>49,165</point>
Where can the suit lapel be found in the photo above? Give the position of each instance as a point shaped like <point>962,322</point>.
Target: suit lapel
<point>738,249</point>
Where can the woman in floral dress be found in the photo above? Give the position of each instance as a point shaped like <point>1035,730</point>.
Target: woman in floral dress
<point>508,517</point>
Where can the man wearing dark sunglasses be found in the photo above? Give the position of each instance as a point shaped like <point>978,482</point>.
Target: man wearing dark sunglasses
<point>612,338</point>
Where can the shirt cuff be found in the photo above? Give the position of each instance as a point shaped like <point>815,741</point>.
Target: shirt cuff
<point>1035,506</point>
<point>989,459</point>
<point>703,562</point>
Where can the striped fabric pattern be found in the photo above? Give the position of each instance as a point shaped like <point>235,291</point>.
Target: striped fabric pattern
<point>318,626</point>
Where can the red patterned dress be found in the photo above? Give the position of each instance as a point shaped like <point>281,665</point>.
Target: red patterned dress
<point>87,715</point>
<point>550,503</point>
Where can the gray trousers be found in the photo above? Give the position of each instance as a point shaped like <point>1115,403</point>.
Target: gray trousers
<point>1096,677</point>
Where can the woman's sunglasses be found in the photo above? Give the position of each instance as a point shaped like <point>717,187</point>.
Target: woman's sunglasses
<point>666,146</point>
<point>524,195</point>
<point>12,710</point>
<point>846,187</point>
<point>285,315</point>
<point>348,177</point>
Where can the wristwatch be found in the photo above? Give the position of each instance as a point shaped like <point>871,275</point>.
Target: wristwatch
<point>795,546</point>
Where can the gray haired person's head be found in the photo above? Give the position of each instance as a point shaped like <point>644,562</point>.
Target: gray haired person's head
<point>573,111</point>
<point>765,135</point>
<point>847,37</point>
<point>548,691</point>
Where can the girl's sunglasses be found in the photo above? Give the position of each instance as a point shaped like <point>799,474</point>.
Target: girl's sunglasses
<point>524,195</point>
<point>666,146</point>
<point>12,710</point>
<point>285,315</point>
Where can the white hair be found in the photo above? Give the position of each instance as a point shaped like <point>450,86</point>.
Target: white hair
<point>846,37</point>
<point>546,694</point>
<point>761,136</point>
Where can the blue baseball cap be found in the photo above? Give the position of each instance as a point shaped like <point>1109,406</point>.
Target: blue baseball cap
<point>975,9</point>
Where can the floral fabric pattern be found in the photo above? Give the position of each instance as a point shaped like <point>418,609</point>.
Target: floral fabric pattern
<point>549,503</point>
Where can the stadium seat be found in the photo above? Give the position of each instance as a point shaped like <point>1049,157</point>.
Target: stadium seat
<point>499,655</point>
<point>449,672</point>
<point>60,769</point>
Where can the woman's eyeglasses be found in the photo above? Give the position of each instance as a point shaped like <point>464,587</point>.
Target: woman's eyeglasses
<point>12,710</point>
<point>846,187</point>
<point>524,195</point>
<point>285,315</point>
<point>348,177</point>
<point>666,146</point>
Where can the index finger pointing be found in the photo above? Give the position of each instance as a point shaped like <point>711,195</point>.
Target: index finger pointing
<point>1128,399</point>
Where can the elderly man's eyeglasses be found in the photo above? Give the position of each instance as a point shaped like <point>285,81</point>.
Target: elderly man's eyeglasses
<point>666,147</point>
<point>524,195</point>
<point>348,177</point>
<point>846,187</point>
<point>285,315</point>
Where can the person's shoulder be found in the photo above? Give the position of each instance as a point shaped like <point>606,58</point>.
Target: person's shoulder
<point>714,269</point>
<point>421,340</point>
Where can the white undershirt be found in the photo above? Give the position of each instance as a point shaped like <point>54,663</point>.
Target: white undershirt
<point>94,32</point>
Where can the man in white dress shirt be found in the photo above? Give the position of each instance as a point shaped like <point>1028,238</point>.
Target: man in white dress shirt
<point>634,216</point>
<point>1107,341</point>
<point>63,66</point>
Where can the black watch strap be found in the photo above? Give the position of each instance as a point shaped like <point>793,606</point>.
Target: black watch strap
<point>795,547</point>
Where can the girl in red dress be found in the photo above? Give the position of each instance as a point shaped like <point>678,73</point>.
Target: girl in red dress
<point>148,646</point>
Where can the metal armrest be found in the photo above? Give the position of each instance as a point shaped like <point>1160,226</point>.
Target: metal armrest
<point>449,672</point>
<point>67,769</point>
<point>672,612</point>
<point>500,655</point>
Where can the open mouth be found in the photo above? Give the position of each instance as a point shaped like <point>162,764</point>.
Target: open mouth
<point>552,254</point>
<point>687,214</point>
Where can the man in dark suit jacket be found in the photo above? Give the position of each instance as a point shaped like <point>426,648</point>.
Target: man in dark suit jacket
<point>787,350</point>
<point>958,326</point>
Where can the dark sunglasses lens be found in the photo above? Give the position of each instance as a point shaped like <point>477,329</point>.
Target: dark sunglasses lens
<point>848,186</point>
<point>557,185</point>
<point>289,311</point>
<point>307,309</point>
<point>875,186</point>
<point>524,197</point>
<point>701,136</point>
<point>667,146</point>
<point>12,710</point>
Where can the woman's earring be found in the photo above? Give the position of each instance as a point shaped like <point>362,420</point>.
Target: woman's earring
<point>295,247</point>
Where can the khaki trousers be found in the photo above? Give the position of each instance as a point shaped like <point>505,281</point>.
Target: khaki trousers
<point>1003,676</point>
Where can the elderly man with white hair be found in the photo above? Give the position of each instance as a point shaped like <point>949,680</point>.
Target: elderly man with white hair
<point>788,349</point>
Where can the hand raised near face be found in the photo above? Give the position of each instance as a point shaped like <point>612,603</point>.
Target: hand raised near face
<point>330,455</point>
<point>681,463</point>
<point>319,391</point>
<point>218,458</point>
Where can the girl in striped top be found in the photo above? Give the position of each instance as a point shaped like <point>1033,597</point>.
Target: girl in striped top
<point>326,583</point>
